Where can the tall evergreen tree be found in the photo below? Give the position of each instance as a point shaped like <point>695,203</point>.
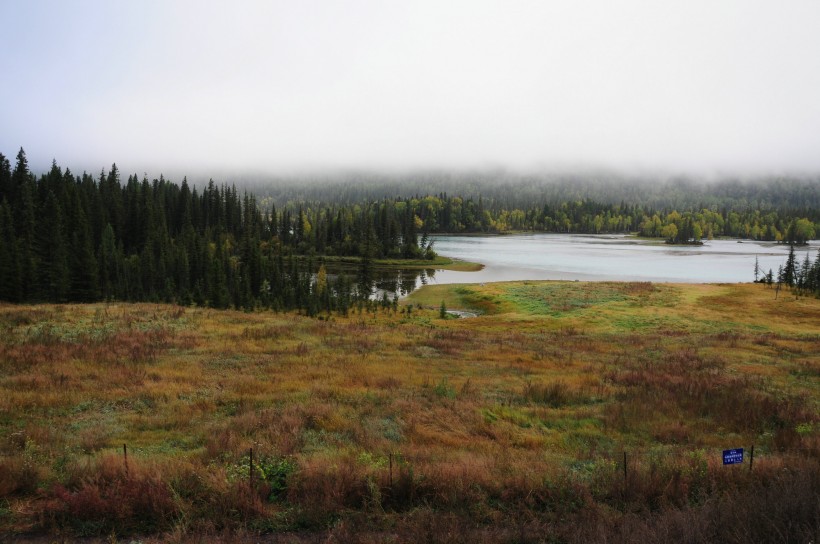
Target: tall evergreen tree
<point>84,279</point>
<point>5,178</point>
<point>53,273</point>
<point>790,270</point>
<point>110,265</point>
<point>10,284</point>
<point>21,189</point>
<point>26,227</point>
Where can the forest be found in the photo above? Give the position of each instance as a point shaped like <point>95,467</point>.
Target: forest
<point>66,237</point>
<point>774,209</point>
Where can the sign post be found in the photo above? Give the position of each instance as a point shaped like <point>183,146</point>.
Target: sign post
<point>733,457</point>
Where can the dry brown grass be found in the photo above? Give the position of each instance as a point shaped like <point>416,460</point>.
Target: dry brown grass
<point>499,427</point>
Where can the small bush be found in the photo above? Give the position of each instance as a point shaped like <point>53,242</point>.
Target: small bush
<point>115,501</point>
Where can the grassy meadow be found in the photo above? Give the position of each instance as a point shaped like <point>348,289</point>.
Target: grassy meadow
<point>400,426</point>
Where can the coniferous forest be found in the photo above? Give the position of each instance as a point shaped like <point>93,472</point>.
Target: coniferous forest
<point>65,237</point>
<point>76,238</point>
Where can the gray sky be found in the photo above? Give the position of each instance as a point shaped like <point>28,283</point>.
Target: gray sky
<point>698,86</point>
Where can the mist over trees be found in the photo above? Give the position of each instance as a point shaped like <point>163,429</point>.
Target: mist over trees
<point>80,238</point>
<point>680,210</point>
<point>66,237</point>
<point>500,189</point>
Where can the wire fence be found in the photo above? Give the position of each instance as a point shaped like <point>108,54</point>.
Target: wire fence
<point>625,461</point>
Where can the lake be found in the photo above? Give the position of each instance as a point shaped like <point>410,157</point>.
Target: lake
<point>609,257</point>
<point>598,258</point>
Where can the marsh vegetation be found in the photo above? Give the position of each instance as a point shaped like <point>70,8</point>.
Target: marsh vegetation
<point>395,424</point>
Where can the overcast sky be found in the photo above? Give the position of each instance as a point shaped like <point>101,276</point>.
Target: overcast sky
<point>699,86</point>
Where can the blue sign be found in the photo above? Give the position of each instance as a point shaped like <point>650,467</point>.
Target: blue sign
<point>732,457</point>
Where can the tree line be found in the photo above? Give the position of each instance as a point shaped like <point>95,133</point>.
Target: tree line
<point>80,238</point>
<point>443,213</point>
<point>674,208</point>
<point>796,196</point>
<point>803,276</point>
<point>66,237</point>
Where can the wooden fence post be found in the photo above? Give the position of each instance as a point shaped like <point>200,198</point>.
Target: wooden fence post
<point>125,457</point>
<point>250,469</point>
<point>624,468</point>
<point>390,457</point>
<point>751,457</point>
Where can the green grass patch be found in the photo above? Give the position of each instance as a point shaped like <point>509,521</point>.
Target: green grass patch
<point>469,297</point>
<point>508,414</point>
<point>557,299</point>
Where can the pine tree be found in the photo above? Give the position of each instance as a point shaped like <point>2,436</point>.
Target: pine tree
<point>790,271</point>
<point>20,176</point>
<point>10,284</point>
<point>112,200</point>
<point>365,274</point>
<point>148,273</point>
<point>5,178</point>
<point>84,278</point>
<point>219,296</point>
<point>815,274</point>
<point>109,274</point>
<point>804,274</point>
<point>53,273</point>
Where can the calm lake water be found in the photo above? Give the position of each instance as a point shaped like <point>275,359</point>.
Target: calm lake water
<point>608,257</point>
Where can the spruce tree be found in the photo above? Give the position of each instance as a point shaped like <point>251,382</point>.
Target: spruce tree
<point>219,295</point>
<point>84,278</point>
<point>804,274</point>
<point>5,178</point>
<point>815,274</point>
<point>20,177</point>
<point>109,271</point>
<point>10,285</point>
<point>53,273</point>
<point>790,270</point>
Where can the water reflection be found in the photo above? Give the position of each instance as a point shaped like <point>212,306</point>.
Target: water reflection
<point>386,281</point>
<point>582,257</point>
<point>610,258</point>
<point>400,282</point>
